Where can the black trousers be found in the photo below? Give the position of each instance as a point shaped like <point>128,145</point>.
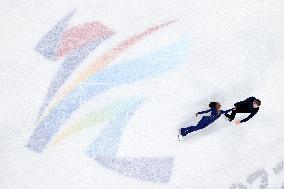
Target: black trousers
<point>234,112</point>
<point>233,115</point>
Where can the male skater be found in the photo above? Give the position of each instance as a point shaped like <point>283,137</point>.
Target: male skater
<point>250,105</point>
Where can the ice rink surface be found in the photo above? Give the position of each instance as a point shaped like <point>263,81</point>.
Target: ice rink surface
<point>93,94</point>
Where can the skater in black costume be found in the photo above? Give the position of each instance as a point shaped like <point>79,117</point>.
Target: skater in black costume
<point>250,105</point>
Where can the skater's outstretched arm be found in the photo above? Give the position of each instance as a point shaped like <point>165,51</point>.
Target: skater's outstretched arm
<point>226,111</point>
<point>203,112</point>
<point>250,116</point>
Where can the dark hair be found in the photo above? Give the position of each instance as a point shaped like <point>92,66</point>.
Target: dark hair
<point>213,104</point>
<point>258,102</point>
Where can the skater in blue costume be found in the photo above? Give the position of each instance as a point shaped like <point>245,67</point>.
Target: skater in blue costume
<point>205,120</point>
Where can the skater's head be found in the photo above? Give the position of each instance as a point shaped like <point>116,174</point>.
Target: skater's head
<point>218,106</point>
<point>256,103</point>
<point>215,105</point>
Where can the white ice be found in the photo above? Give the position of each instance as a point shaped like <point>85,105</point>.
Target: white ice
<point>236,50</point>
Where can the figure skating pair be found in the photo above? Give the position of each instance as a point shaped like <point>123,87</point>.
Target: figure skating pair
<point>250,105</point>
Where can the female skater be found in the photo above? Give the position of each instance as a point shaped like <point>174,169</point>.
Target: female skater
<point>205,120</point>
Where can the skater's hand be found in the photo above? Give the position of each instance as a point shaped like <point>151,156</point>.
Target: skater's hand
<point>237,122</point>
<point>235,108</point>
<point>196,114</point>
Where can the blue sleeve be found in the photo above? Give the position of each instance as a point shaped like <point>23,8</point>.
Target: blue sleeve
<point>206,111</point>
<point>226,111</point>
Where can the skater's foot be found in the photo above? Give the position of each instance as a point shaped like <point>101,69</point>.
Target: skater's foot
<point>179,135</point>
<point>180,138</point>
<point>229,117</point>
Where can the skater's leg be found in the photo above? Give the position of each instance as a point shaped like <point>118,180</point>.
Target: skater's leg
<point>228,117</point>
<point>185,131</point>
<point>232,116</point>
<point>201,124</point>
